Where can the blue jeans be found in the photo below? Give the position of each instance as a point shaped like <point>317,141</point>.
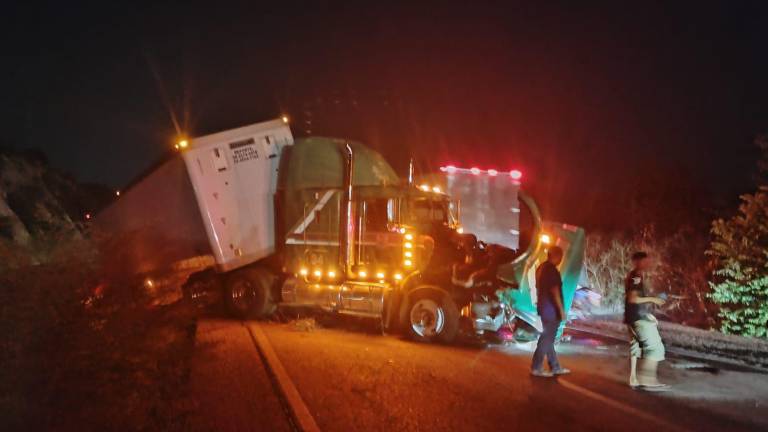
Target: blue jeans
<point>546,346</point>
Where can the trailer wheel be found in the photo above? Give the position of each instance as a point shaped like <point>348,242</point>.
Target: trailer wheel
<point>201,288</point>
<point>248,293</point>
<point>432,316</point>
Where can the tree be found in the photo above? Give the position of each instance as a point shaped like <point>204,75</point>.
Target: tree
<point>740,248</point>
<point>762,164</point>
<point>607,261</point>
<point>680,271</point>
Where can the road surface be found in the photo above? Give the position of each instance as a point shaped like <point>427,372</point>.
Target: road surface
<point>351,378</point>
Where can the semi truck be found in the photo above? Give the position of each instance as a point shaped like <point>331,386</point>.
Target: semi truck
<point>319,222</point>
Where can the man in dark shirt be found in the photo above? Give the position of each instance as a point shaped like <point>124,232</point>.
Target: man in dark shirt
<point>645,341</point>
<point>550,308</point>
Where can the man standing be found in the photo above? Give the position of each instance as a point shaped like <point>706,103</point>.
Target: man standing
<point>550,308</point>
<point>645,341</point>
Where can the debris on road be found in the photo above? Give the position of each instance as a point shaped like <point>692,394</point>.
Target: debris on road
<point>305,325</point>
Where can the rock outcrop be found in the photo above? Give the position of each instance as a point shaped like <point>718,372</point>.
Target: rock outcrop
<point>37,201</point>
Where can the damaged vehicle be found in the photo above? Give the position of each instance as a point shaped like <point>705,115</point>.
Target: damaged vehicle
<point>268,221</point>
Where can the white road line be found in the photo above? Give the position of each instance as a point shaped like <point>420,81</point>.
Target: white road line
<point>620,406</point>
<point>307,423</point>
<point>301,414</point>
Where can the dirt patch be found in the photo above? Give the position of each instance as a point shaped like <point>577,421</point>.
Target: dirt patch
<point>77,353</point>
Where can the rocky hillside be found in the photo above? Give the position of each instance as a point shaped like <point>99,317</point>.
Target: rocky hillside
<point>38,201</point>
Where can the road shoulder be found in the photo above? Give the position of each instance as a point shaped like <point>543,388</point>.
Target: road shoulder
<point>229,382</point>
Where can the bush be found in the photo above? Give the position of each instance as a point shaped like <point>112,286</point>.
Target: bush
<point>607,261</point>
<point>740,285</point>
<point>680,271</point>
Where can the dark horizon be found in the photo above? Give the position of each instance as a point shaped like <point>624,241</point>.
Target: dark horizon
<point>598,101</point>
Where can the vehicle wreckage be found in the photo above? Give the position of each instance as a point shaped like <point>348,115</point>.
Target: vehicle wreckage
<point>327,223</point>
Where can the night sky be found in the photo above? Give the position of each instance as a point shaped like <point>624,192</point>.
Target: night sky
<point>593,102</point>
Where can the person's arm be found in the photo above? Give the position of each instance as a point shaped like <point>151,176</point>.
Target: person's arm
<point>557,295</point>
<point>634,297</point>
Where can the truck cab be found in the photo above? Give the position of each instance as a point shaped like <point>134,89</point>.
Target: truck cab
<point>356,239</point>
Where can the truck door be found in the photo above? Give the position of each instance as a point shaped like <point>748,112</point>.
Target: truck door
<point>378,247</point>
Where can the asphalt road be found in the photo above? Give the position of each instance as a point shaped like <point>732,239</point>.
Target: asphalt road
<point>353,379</point>
<point>230,383</point>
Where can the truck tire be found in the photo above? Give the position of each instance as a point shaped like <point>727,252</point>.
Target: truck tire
<point>200,287</point>
<point>248,293</point>
<point>432,316</point>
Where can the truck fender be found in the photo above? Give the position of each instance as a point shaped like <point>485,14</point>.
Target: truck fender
<point>397,301</point>
<point>394,302</point>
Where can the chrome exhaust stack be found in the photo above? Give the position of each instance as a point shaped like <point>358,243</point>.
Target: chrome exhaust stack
<point>347,221</point>
<point>410,172</point>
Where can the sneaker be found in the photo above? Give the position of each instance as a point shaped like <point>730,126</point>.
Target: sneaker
<point>561,371</point>
<point>659,387</point>
<point>541,373</point>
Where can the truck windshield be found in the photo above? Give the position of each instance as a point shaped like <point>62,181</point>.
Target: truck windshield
<point>427,212</point>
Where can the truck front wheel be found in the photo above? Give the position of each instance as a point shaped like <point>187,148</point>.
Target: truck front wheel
<point>432,316</point>
<point>248,293</point>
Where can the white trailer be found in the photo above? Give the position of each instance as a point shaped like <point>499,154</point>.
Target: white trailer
<point>215,200</point>
<point>234,176</point>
